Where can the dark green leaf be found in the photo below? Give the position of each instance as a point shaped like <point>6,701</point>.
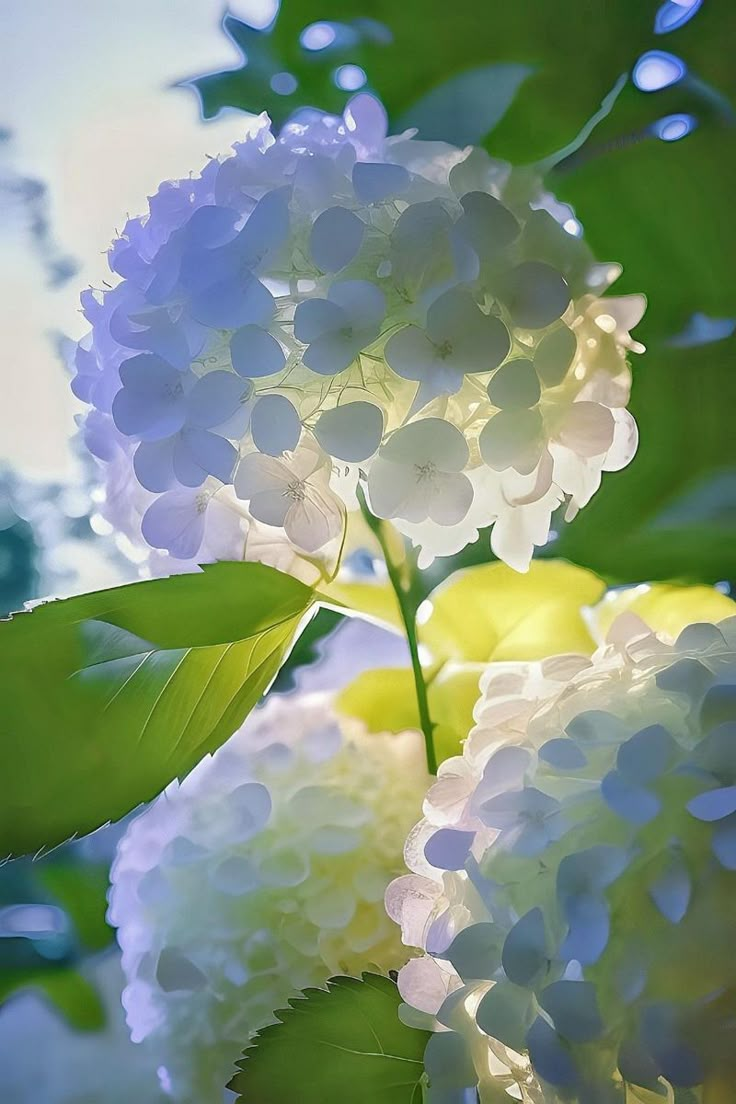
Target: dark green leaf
<point>109,696</point>
<point>576,53</point>
<point>345,1043</point>
<point>657,519</point>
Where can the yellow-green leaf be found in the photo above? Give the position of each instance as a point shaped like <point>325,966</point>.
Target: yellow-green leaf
<point>107,697</point>
<point>491,612</point>
<point>666,608</point>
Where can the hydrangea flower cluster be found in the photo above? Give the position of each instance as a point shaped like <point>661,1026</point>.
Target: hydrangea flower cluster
<point>331,305</point>
<point>574,879</point>
<point>259,875</point>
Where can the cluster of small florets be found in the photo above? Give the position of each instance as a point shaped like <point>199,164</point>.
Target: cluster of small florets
<point>261,874</point>
<point>333,305</point>
<point>575,879</point>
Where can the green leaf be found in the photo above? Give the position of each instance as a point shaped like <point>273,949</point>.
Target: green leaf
<point>108,696</point>
<point>76,999</point>
<point>667,515</point>
<point>556,41</point>
<point>345,1043</point>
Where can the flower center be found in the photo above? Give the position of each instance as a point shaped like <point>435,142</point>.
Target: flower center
<point>444,349</point>
<point>200,502</point>
<point>425,472</point>
<point>297,490</point>
<point>173,390</point>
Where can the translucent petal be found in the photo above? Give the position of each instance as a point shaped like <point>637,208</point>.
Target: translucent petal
<point>554,355</point>
<point>587,429</point>
<point>258,473</point>
<point>637,1066</point>
<point>392,490</point>
<point>332,352</point>
<point>475,952</point>
<point>449,1064</point>
<point>447,848</point>
<point>646,755</point>
<point>588,931</point>
<point>314,520</point>
<point>516,384</point>
<point>511,437</point>
<point>505,1013</point>
<point>315,317</point>
<point>151,403</point>
<point>175,973</point>
<point>451,499</point>
<point>536,294</point>
<point>210,452</point>
<point>629,800</point>
<point>671,890</point>
<point>724,843</point>
<point>466,338</point>
<point>266,229</point>
<point>713,804</point>
<point>336,237</point>
<point>211,226</point>
<point>231,303</point>
<point>215,398</point>
<point>430,440</point>
<point>275,425</point>
<point>351,432</point>
<point>363,302</point>
<point>525,956</point>
<point>486,224</point>
<point>153,464</point>
<point>595,868</point>
<point>562,754</point>
<point>270,507</point>
<point>550,1058</point>
<point>719,705</point>
<point>410,352</point>
<point>374,181</point>
<point>255,352</point>
<point>175,521</point>
<point>717,753</point>
<point>573,1006</point>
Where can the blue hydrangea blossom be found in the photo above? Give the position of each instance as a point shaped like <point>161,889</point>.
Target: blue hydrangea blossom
<point>333,290</point>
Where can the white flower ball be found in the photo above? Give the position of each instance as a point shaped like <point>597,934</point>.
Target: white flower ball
<point>262,873</point>
<point>333,305</point>
<point>574,881</point>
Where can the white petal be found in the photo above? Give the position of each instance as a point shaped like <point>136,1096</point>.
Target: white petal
<point>450,502</point>
<point>428,440</point>
<point>587,429</point>
<point>486,224</point>
<point>510,437</point>
<point>392,490</point>
<point>625,441</point>
<point>314,521</point>
<point>258,473</point>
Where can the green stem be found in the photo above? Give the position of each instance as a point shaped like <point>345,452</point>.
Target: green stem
<point>407,601</point>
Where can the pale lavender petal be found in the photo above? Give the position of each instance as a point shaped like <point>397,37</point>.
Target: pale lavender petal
<point>175,522</point>
<point>255,352</point>
<point>351,432</point>
<point>275,425</point>
<point>336,237</point>
<point>215,398</point>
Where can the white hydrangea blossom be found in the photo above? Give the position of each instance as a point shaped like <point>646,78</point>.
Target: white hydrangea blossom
<point>262,873</point>
<point>574,877</point>
<point>321,302</point>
